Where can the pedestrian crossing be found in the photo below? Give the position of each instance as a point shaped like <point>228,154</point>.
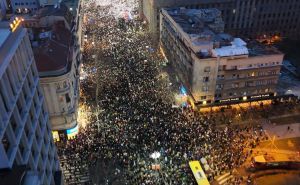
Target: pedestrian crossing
<point>223,179</point>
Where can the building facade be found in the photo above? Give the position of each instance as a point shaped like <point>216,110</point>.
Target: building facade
<point>248,18</point>
<point>55,38</point>
<point>213,65</point>
<point>24,6</point>
<point>27,150</point>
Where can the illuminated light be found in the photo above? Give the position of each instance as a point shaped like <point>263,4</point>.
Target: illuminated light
<point>155,155</point>
<point>55,135</point>
<point>14,25</point>
<point>183,90</point>
<point>72,130</point>
<point>71,133</point>
<point>204,102</point>
<point>245,98</point>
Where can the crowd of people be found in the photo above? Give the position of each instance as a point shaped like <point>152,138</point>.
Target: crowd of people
<point>134,119</point>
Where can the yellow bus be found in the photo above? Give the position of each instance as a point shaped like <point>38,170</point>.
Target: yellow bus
<point>198,173</point>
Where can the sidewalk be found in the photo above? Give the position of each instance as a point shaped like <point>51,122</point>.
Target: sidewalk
<point>282,131</point>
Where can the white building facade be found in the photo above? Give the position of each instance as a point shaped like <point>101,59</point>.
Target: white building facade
<point>56,47</point>
<point>25,130</point>
<point>25,6</point>
<point>214,66</point>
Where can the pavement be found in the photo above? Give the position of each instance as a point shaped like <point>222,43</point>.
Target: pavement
<point>279,179</point>
<point>288,83</point>
<point>283,142</point>
<point>282,131</point>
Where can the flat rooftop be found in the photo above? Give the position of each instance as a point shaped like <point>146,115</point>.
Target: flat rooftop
<point>204,29</point>
<point>197,21</point>
<point>55,10</point>
<point>258,49</point>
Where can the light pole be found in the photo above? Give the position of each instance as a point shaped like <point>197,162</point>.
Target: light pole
<point>155,156</point>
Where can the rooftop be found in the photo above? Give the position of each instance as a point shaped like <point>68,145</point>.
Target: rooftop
<point>204,30</point>
<point>198,21</point>
<point>55,10</point>
<point>53,50</point>
<point>257,49</point>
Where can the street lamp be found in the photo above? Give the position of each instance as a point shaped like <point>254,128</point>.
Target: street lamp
<point>155,155</point>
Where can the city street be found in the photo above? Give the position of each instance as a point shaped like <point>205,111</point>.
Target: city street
<point>279,179</point>
<point>127,113</point>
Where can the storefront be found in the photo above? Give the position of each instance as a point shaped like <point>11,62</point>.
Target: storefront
<point>65,134</point>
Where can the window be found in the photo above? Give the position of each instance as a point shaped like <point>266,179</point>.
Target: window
<point>21,149</point>
<point>251,74</point>
<point>218,95</point>
<point>5,142</point>
<point>234,67</point>
<point>13,124</point>
<point>249,84</point>
<point>273,72</point>
<point>206,79</point>
<point>222,68</point>
<point>205,88</point>
<point>68,99</point>
<point>261,82</point>
<point>220,77</point>
<point>203,97</point>
<point>260,73</point>
<point>219,86</point>
<point>207,69</point>
<point>235,85</point>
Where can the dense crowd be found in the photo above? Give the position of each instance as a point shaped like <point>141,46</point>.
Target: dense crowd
<point>136,119</point>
